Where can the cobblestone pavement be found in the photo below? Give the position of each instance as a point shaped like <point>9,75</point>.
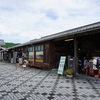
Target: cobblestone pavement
<point>35,84</point>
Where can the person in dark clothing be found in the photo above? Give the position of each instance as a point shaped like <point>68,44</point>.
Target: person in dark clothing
<point>17,62</point>
<point>80,66</point>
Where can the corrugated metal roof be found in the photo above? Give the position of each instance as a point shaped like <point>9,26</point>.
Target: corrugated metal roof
<point>74,31</point>
<point>78,30</point>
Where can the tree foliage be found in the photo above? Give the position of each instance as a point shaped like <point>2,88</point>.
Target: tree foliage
<point>7,45</point>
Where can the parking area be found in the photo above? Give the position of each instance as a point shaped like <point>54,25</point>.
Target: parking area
<point>36,84</point>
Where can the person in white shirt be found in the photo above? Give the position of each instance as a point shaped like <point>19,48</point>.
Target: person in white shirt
<point>95,69</point>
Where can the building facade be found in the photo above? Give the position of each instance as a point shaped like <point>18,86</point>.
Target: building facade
<point>82,42</point>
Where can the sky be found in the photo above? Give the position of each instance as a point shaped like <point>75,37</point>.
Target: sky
<point>25,20</point>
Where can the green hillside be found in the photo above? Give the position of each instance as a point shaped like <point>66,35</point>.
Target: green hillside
<point>7,45</point>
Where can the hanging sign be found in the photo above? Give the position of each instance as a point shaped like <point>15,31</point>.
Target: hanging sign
<point>61,64</point>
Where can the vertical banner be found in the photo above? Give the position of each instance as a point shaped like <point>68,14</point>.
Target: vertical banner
<point>61,64</point>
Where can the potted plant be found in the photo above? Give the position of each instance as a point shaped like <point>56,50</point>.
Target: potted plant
<point>28,64</point>
<point>69,72</point>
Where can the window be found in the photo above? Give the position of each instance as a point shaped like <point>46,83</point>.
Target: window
<point>39,52</point>
<point>30,49</point>
<point>39,48</point>
<point>31,54</point>
<point>36,48</point>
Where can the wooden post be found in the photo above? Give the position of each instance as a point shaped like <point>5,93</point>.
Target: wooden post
<point>75,55</point>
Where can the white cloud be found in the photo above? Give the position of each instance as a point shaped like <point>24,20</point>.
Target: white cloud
<point>23,20</point>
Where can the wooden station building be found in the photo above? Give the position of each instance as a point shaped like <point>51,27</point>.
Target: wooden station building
<point>79,43</point>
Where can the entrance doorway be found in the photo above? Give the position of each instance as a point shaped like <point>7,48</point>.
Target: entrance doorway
<point>58,54</point>
<point>63,48</point>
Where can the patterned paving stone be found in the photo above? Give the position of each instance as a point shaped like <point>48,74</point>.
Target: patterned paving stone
<point>35,84</point>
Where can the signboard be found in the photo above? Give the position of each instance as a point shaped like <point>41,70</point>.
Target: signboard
<point>61,64</point>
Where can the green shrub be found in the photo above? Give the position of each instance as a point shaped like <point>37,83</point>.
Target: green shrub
<point>69,72</point>
<point>28,64</point>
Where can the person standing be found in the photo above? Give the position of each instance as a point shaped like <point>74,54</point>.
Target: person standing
<point>17,62</point>
<point>80,66</point>
<point>24,63</point>
<point>96,76</point>
<point>86,66</point>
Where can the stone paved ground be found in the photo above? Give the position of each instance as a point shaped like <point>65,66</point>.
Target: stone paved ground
<point>35,84</point>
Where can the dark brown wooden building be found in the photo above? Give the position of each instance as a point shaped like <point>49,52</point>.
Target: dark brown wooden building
<point>79,43</point>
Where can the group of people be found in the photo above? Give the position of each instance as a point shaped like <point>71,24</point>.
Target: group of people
<point>84,67</point>
<point>24,63</point>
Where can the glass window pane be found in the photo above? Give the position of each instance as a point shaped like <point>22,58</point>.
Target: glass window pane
<point>39,54</point>
<point>31,54</point>
<point>39,47</point>
<point>35,48</point>
<point>30,48</point>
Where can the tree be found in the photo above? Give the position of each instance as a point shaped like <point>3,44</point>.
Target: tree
<point>7,45</point>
